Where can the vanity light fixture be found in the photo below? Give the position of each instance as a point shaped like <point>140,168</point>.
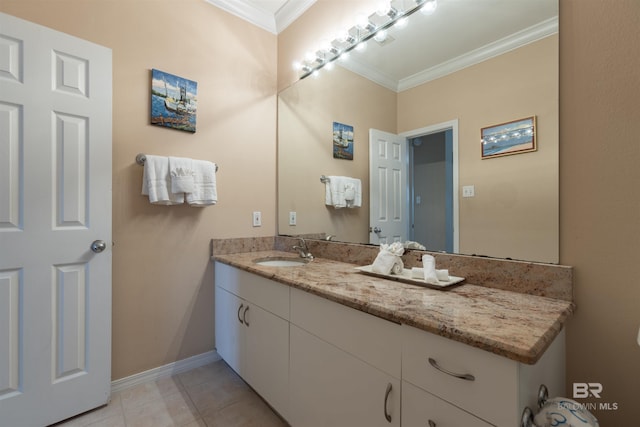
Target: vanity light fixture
<point>375,25</point>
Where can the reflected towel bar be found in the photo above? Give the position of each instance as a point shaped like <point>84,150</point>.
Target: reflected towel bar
<point>141,158</point>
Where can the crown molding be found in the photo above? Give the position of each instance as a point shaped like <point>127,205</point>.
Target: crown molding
<point>289,12</point>
<point>499,47</point>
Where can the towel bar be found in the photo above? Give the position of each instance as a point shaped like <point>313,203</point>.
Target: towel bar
<point>141,158</point>
<point>324,179</point>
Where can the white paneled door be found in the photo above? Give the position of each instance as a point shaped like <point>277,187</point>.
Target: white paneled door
<point>55,224</point>
<point>388,190</point>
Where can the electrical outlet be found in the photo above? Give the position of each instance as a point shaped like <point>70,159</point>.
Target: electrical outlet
<point>468,191</point>
<point>292,218</point>
<point>257,219</point>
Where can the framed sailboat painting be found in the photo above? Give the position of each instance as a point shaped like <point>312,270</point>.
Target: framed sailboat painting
<point>174,101</point>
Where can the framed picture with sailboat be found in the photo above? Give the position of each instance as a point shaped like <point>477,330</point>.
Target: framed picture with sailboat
<point>174,101</point>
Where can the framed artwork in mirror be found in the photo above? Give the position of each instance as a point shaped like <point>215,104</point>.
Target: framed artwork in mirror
<point>173,101</point>
<point>342,141</point>
<point>514,137</point>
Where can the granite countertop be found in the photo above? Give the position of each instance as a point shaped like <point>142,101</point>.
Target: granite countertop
<point>514,325</point>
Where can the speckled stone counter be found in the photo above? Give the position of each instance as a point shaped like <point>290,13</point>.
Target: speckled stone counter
<point>515,325</point>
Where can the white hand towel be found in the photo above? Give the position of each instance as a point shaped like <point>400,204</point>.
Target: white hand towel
<point>429,266</point>
<point>343,191</point>
<point>181,173</point>
<point>353,193</point>
<point>205,192</point>
<point>334,192</point>
<point>156,182</point>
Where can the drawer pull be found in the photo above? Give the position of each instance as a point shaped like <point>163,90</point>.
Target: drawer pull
<point>244,316</point>
<point>432,423</point>
<point>467,377</point>
<point>239,318</point>
<point>386,399</point>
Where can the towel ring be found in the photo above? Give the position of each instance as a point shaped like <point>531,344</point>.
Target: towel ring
<point>141,159</point>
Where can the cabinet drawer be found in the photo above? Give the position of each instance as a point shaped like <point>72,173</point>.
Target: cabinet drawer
<point>420,408</point>
<point>267,294</point>
<point>430,362</point>
<point>370,338</point>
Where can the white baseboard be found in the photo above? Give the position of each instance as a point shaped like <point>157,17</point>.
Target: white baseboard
<point>164,371</point>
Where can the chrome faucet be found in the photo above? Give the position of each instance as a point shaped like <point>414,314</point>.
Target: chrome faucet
<point>303,250</point>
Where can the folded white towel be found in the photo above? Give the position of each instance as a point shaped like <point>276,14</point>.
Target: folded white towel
<point>205,192</point>
<point>181,173</point>
<point>417,273</point>
<point>343,192</point>
<point>388,260</point>
<point>156,182</point>
<point>429,266</point>
<point>387,263</point>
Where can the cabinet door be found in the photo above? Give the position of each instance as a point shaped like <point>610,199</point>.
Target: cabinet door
<point>229,328</point>
<point>329,387</point>
<point>267,357</point>
<point>420,408</point>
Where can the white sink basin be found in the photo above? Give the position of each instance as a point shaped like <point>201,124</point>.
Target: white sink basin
<point>281,261</point>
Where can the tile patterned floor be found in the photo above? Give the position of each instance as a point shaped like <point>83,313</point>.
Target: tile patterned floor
<point>208,396</point>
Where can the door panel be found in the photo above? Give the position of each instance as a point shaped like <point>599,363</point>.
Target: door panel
<point>388,164</point>
<point>55,200</point>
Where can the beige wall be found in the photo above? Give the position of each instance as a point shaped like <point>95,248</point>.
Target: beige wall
<point>306,112</point>
<point>515,209</point>
<point>599,197</point>
<point>162,276</point>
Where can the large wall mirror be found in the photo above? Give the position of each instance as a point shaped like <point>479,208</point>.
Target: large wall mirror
<point>434,84</point>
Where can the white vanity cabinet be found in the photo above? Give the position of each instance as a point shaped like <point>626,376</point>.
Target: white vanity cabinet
<point>322,363</point>
<point>344,366</point>
<point>446,380</point>
<point>252,331</point>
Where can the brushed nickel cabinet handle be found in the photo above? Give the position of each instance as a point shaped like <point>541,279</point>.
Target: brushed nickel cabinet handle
<point>387,416</point>
<point>467,377</point>
<point>239,318</point>
<point>244,316</point>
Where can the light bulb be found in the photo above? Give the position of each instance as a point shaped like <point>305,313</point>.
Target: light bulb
<point>380,36</point>
<point>383,8</point>
<point>429,7</point>
<point>401,23</point>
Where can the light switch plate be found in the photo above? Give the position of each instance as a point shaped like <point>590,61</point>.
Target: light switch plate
<point>292,218</point>
<point>257,219</point>
<point>468,191</point>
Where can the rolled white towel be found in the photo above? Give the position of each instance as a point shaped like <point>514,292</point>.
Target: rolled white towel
<point>398,266</point>
<point>417,273</point>
<point>429,266</point>
<point>442,275</point>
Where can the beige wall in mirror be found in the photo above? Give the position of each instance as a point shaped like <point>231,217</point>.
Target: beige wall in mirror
<point>515,209</point>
